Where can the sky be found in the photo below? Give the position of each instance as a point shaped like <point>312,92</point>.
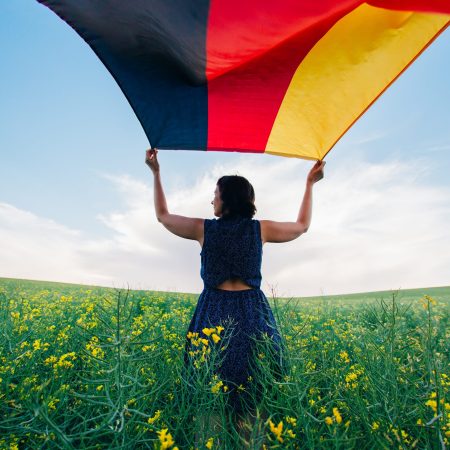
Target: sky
<point>76,198</point>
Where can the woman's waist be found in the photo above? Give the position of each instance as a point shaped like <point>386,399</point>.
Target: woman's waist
<point>231,281</point>
<point>234,284</point>
<point>215,294</point>
<point>247,285</point>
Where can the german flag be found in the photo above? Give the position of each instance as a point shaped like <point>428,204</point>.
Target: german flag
<point>286,77</point>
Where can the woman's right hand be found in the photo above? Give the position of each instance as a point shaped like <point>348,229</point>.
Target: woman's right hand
<point>316,173</point>
<point>151,159</point>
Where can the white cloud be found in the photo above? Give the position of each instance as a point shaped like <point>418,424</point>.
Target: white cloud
<point>375,226</point>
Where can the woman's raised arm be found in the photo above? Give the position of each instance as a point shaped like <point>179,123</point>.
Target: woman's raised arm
<point>272,231</point>
<point>185,227</point>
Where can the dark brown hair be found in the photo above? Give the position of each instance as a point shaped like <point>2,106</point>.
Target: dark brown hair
<point>237,195</point>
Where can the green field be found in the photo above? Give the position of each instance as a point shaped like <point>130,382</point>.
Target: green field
<point>89,367</point>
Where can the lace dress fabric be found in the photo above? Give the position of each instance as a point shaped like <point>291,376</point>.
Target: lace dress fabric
<point>233,249</point>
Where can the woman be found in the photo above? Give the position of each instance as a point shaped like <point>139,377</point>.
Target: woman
<point>231,263</point>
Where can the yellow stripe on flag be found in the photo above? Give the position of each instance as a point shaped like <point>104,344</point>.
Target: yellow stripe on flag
<point>344,73</point>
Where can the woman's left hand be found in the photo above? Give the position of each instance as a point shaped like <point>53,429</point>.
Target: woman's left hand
<point>151,160</point>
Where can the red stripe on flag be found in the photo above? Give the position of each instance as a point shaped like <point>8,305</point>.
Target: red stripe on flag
<point>436,6</point>
<point>246,81</point>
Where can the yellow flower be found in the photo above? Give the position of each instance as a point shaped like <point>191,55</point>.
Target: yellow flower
<point>291,420</point>
<point>209,443</point>
<point>208,331</point>
<point>50,360</point>
<point>351,376</point>
<point>191,335</point>
<point>38,346</point>
<point>215,338</point>
<point>215,389</point>
<point>165,438</point>
<point>146,348</point>
<point>155,417</point>
<point>52,403</point>
<point>64,361</point>
<point>94,348</point>
<point>426,300</point>
<point>328,420</point>
<point>375,426</point>
<point>430,299</point>
<point>432,404</point>
<point>276,430</point>
<point>337,415</point>
<point>219,329</point>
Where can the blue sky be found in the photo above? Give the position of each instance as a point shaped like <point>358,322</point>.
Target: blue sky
<point>72,172</point>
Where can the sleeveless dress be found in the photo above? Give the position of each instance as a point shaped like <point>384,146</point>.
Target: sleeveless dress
<point>232,248</point>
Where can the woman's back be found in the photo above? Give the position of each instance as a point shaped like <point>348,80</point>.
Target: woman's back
<point>232,249</point>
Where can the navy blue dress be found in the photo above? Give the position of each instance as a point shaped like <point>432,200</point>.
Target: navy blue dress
<point>232,248</point>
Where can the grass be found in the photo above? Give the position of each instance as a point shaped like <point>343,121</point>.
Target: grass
<point>89,367</point>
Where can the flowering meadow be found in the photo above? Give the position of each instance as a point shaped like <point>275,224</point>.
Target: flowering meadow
<point>94,368</point>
